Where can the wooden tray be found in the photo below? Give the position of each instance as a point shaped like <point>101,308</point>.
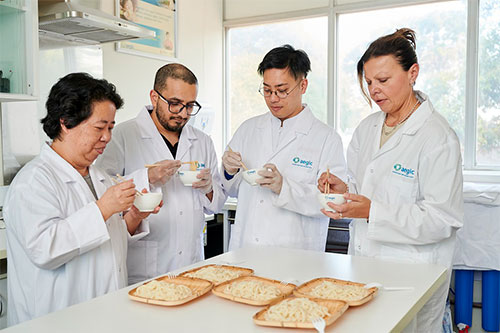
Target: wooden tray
<point>304,289</point>
<point>243,271</point>
<point>286,289</point>
<point>335,309</point>
<point>199,287</point>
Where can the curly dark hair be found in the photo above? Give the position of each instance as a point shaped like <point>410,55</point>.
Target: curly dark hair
<point>70,101</point>
<point>286,56</point>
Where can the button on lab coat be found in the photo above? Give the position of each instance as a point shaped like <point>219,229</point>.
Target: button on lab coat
<point>60,250</point>
<point>293,218</point>
<point>176,237</point>
<point>414,182</point>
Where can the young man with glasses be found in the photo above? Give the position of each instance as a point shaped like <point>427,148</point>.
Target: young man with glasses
<point>294,148</point>
<point>160,137</point>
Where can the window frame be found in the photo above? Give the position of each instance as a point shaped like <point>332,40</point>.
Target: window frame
<point>472,171</point>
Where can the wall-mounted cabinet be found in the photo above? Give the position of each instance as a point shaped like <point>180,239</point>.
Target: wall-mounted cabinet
<point>18,50</point>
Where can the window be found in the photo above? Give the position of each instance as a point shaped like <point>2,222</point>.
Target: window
<point>441,36</point>
<point>246,48</point>
<point>457,48</point>
<point>488,108</point>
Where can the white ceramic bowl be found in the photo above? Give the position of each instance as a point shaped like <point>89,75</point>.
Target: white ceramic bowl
<point>188,177</point>
<point>147,202</point>
<point>251,175</point>
<point>334,198</point>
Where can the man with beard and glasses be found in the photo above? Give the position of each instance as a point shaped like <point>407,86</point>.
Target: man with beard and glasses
<point>160,136</point>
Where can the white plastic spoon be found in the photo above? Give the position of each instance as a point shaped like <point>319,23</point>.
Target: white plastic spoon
<point>379,286</point>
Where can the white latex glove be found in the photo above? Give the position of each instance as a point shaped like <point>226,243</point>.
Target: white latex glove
<point>271,178</point>
<point>231,161</point>
<point>204,185</point>
<point>162,173</point>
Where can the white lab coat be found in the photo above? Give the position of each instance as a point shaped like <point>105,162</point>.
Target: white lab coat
<point>293,218</point>
<point>414,182</point>
<point>176,237</point>
<point>60,250</point>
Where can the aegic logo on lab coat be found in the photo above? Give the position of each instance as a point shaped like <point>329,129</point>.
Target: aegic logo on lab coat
<point>402,171</point>
<point>297,161</point>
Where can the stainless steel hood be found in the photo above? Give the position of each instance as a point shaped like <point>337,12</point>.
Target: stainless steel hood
<point>82,25</point>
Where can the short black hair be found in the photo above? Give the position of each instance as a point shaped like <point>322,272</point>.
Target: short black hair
<point>175,71</point>
<point>70,101</point>
<point>286,56</point>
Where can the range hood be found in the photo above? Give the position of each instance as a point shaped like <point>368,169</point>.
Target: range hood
<point>79,24</point>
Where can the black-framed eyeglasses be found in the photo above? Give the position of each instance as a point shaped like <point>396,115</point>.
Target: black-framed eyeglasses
<point>266,92</point>
<point>192,108</point>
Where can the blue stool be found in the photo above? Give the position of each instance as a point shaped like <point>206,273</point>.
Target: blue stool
<point>490,315</point>
<point>464,287</point>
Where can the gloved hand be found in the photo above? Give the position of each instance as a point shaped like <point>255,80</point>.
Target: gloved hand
<point>159,175</point>
<point>272,178</point>
<point>231,161</point>
<point>335,184</point>
<point>204,185</point>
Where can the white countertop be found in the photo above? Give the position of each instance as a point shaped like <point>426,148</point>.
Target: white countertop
<point>389,310</point>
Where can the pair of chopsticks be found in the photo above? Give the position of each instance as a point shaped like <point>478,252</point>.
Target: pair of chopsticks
<point>242,164</point>
<point>123,179</point>
<point>193,165</point>
<point>327,187</point>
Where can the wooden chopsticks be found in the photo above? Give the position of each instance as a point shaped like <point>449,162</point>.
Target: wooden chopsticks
<point>123,179</point>
<point>193,165</point>
<point>327,186</point>
<point>242,164</point>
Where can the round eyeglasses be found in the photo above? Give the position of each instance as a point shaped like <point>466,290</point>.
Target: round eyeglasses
<point>175,107</point>
<point>266,92</point>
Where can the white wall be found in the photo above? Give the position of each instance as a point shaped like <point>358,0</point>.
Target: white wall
<point>235,9</point>
<point>200,48</point>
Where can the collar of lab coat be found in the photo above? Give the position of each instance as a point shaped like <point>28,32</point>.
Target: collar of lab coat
<point>67,172</point>
<point>302,122</point>
<point>148,130</point>
<point>410,127</point>
<point>418,118</point>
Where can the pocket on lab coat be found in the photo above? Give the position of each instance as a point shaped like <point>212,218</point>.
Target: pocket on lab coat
<point>300,174</point>
<point>406,253</point>
<point>142,260</point>
<point>402,190</point>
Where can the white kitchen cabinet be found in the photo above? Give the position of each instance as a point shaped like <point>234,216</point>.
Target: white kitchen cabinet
<point>18,50</point>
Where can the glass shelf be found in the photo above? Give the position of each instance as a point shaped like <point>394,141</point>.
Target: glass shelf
<point>17,50</point>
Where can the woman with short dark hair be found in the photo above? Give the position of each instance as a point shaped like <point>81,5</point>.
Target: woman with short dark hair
<point>66,233</point>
